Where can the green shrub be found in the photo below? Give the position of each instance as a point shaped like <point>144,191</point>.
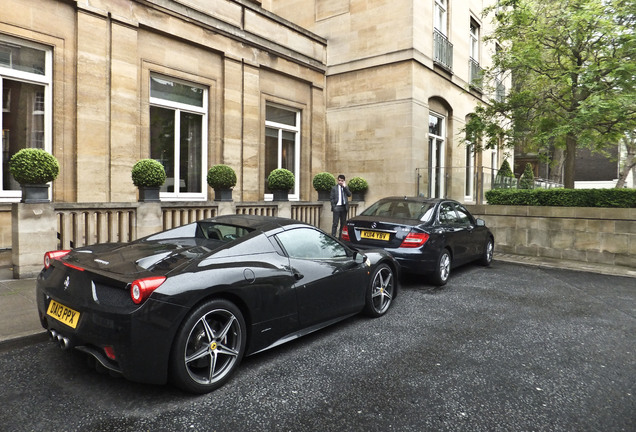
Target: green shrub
<point>505,170</point>
<point>221,177</point>
<point>148,173</point>
<point>280,179</point>
<point>33,166</point>
<point>614,198</point>
<point>324,181</point>
<point>527,178</point>
<point>358,184</point>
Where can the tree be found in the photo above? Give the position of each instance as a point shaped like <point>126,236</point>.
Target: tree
<point>573,70</point>
<point>629,164</point>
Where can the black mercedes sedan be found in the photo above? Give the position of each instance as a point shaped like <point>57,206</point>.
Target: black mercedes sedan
<point>426,236</point>
<point>188,303</point>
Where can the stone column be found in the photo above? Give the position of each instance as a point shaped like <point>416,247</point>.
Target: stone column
<point>149,219</point>
<point>34,232</point>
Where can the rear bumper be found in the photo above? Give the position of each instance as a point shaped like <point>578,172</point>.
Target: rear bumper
<point>141,339</point>
<point>417,261</point>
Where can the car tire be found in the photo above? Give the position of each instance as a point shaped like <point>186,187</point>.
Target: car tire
<point>380,292</point>
<point>489,249</point>
<point>442,268</point>
<point>208,347</point>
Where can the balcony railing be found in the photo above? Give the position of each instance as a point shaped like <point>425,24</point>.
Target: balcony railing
<point>500,91</point>
<point>476,74</point>
<point>442,50</point>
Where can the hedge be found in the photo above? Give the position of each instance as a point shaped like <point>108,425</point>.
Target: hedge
<point>558,197</point>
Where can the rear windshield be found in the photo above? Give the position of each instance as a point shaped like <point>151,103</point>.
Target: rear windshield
<point>217,231</point>
<point>400,209</point>
<point>203,230</point>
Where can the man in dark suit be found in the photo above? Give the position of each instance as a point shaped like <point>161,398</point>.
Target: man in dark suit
<point>339,198</point>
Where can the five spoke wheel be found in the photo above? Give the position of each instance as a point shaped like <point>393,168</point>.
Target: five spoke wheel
<point>381,291</point>
<point>209,347</point>
<point>443,269</point>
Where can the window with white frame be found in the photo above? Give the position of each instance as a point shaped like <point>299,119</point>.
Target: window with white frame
<point>26,115</point>
<point>474,41</point>
<point>178,136</point>
<point>282,143</point>
<point>437,156</point>
<point>440,16</point>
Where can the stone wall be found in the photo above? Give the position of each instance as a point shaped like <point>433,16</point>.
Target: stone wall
<point>593,235</point>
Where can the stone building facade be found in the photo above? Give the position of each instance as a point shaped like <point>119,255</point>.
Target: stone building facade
<point>402,78</point>
<point>378,89</point>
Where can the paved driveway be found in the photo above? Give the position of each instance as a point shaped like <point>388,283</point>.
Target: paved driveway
<point>506,348</point>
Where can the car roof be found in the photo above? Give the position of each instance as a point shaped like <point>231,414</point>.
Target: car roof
<point>255,222</point>
<point>415,199</point>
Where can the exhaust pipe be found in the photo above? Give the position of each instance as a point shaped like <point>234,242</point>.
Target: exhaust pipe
<point>62,341</point>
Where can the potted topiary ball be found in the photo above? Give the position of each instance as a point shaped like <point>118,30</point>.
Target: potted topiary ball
<point>358,186</point>
<point>148,175</point>
<point>222,179</point>
<point>34,169</point>
<point>280,181</point>
<point>323,182</point>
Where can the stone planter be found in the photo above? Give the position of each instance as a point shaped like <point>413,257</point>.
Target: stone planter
<point>222,194</point>
<point>35,193</point>
<point>357,196</point>
<point>149,194</point>
<point>323,195</point>
<point>280,195</point>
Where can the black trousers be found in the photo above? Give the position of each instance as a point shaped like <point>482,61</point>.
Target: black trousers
<point>339,216</point>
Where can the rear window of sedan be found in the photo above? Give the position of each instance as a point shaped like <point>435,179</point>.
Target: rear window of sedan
<point>401,209</point>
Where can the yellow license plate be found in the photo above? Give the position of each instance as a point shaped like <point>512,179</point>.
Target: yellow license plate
<point>374,235</point>
<point>63,314</point>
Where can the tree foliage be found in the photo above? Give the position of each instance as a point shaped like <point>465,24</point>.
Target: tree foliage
<point>573,70</point>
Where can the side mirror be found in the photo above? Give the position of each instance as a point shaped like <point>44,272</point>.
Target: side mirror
<point>359,258</point>
<point>481,222</point>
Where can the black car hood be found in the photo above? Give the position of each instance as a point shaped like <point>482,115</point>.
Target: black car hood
<point>138,257</point>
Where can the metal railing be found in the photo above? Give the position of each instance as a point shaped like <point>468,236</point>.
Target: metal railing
<point>476,74</point>
<point>442,50</point>
<point>467,186</point>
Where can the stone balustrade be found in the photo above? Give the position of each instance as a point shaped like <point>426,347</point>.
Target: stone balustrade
<point>36,228</point>
<point>593,235</point>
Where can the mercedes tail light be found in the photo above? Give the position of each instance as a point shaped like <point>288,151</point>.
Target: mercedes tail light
<point>414,240</point>
<point>345,234</point>
<point>142,288</point>
<point>54,255</point>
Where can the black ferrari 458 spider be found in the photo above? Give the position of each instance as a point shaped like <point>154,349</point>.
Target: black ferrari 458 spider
<point>188,303</point>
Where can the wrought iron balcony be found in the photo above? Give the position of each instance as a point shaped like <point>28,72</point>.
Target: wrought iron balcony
<point>476,74</point>
<point>442,50</point>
